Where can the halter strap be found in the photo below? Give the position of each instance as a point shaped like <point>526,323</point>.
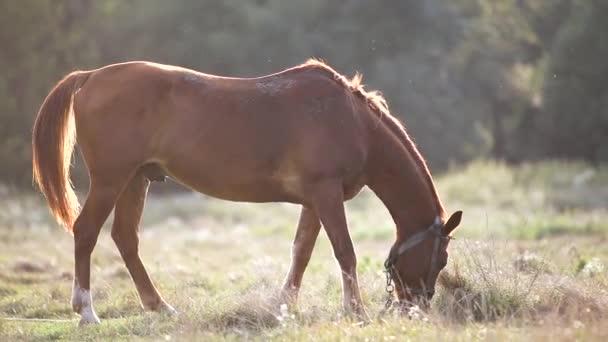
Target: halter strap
<point>434,230</point>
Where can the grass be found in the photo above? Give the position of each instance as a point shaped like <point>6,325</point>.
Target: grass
<point>529,263</point>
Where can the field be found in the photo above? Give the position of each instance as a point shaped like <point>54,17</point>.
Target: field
<point>528,263</point>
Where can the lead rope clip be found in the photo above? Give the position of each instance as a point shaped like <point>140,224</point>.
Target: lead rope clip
<point>390,289</point>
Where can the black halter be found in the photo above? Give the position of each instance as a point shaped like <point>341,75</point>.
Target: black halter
<point>433,231</point>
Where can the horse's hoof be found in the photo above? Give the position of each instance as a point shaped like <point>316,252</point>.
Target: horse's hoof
<point>88,318</point>
<point>287,295</point>
<point>359,315</point>
<point>167,309</point>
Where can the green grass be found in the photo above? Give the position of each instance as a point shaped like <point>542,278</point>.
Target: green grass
<point>528,264</point>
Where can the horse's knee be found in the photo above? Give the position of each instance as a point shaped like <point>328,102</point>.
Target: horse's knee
<point>84,241</point>
<point>91,218</point>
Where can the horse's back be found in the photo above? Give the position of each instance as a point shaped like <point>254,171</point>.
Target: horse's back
<point>277,132</point>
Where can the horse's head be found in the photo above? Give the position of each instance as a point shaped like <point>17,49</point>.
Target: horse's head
<point>415,263</point>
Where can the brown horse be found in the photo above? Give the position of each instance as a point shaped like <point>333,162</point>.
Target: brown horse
<point>306,135</point>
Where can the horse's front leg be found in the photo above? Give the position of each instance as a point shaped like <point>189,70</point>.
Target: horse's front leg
<point>303,244</point>
<point>328,202</point>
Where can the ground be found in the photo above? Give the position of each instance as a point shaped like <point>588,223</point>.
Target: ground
<point>528,263</point>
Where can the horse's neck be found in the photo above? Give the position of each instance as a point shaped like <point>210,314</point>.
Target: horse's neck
<point>402,185</point>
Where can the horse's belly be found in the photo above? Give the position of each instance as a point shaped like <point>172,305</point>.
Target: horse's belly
<point>228,184</point>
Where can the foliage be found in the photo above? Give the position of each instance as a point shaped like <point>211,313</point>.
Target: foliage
<point>471,78</point>
<point>575,90</point>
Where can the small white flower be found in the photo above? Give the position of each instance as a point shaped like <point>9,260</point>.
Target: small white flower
<point>593,267</point>
<point>284,310</point>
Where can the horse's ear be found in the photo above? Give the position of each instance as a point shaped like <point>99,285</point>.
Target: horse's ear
<point>452,223</point>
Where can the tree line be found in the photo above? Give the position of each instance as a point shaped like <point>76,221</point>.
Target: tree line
<point>512,79</point>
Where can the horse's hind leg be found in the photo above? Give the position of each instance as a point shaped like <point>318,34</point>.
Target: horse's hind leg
<point>303,244</point>
<point>127,215</point>
<point>100,201</point>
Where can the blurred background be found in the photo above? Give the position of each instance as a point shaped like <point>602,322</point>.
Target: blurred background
<point>512,80</point>
<point>507,99</point>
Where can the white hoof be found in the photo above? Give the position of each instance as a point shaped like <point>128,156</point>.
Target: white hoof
<point>82,304</point>
<point>87,317</point>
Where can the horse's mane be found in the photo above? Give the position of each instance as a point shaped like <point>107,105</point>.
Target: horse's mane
<point>379,106</point>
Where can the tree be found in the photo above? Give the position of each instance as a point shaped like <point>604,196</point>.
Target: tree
<point>574,86</point>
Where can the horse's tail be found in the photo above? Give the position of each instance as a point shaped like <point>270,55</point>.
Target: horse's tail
<point>52,146</point>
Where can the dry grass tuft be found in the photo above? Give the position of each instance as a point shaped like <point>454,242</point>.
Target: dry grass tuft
<point>483,288</point>
<point>464,301</point>
<point>531,263</point>
<point>250,314</point>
